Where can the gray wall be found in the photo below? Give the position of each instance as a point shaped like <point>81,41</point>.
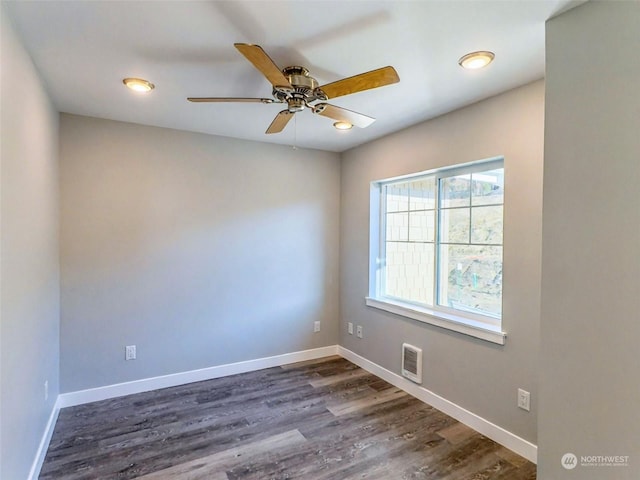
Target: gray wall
<point>200,250</point>
<point>590,382</point>
<point>29,292</point>
<point>204,250</point>
<point>479,376</point>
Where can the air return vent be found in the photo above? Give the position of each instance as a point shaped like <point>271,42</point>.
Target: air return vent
<point>412,362</point>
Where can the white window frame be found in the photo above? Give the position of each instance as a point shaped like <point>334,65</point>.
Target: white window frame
<point>485,327</point>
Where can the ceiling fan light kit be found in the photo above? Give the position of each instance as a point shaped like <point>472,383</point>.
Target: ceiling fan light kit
<point>139,84</point>
<point>296,88</point>
<point>475,60</point>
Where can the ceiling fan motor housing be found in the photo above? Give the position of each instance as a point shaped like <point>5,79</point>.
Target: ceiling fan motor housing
<point>303,89</point>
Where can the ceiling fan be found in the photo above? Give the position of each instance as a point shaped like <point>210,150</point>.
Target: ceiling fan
<point>295,87</point>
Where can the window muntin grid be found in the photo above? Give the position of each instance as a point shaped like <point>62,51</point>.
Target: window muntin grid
<point>441,240</point>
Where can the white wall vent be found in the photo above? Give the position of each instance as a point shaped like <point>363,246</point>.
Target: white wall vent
<point>412,362</point>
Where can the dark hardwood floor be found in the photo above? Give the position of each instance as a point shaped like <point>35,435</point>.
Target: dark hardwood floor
<point>320,420</point>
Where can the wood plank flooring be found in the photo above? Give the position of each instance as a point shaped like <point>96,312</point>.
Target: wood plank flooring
<point>322,420</point>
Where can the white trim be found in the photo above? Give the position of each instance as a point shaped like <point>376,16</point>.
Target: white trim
<point>496,433</point>
<point>490,430</point>
<point>467,167</point>
<point>441,319</point>
<point>34,473</point>
<point>138,386</point>
<point>468,321</point>
<point>146,384</point>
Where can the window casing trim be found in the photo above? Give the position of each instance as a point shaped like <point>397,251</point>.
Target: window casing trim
<point>464,325</point>
<point>485,327</point>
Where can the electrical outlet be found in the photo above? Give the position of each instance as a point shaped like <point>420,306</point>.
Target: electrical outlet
<point>130,352</point>
<point>316,326</point>
<point>46,390</point>
<point>350,328</point>
<point>524,400</point>
<point>359,331</point>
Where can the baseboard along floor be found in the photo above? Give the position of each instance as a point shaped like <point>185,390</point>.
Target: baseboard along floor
<point>315,420</point>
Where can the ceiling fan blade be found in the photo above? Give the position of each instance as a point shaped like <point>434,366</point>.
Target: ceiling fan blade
<point>342,114</point>
<point>229,99</point>
<point>256,55</point>
<point>364,81</point>
<point>280,122</point>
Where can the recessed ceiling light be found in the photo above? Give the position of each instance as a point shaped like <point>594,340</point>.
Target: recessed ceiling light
<point>139,84</point>
<point>475,60</point>
<point>343,125</point>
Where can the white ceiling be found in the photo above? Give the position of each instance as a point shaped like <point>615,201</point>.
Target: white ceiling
<point>84,50</point>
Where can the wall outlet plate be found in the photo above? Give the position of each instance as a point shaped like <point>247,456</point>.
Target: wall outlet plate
<point>350,328</point>
<point>316,326</point>
<point>130,352</point>
<point>359,331</point>
<point>524,400</point>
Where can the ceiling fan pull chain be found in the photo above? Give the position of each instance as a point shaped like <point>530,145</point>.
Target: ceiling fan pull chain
<point>295,133</point>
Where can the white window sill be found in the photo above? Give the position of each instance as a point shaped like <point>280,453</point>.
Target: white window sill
<point>458,324</point>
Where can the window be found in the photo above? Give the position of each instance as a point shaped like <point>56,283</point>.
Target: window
<point>436,244</point>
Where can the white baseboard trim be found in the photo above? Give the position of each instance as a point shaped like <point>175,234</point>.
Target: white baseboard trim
<point>138,386</point>
<point>34,473</point>
<point>481,425</point>
<point>144,385</point>
<point>496,433</point>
